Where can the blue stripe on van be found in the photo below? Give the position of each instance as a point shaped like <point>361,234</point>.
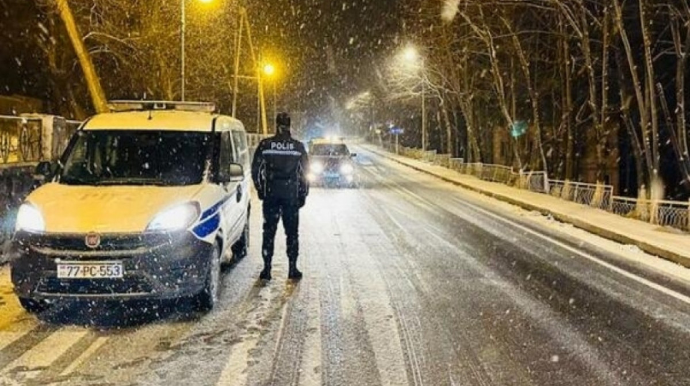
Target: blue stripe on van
<point>215,208</point>
<point>207,227</point>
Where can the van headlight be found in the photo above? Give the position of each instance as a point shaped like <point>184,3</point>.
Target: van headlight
<point>176,218</point>
<point>347,169</point>
<point>30,219</point>
<point>316,167</point>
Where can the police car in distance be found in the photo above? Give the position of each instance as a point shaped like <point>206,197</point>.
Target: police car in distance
<point>331,163</point>
<point>146,202</point>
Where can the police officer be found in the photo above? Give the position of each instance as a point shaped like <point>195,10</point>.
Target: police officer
<point>279,172</point>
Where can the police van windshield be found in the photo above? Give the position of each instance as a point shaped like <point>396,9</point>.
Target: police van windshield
<point>115,157</point>
<point>330,150</point>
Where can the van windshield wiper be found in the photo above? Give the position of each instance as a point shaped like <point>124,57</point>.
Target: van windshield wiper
<point>77,181</point>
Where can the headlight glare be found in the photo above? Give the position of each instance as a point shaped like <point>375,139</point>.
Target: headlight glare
<point>176,218</point>
<point>30,219</point>
<point>316,167</point>
<point>347,169</point>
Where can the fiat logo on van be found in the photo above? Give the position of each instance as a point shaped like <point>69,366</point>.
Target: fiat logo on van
<point>93,240</point>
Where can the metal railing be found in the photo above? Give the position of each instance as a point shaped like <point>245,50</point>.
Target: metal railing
<point>594,195</point>
<point>674,214</point>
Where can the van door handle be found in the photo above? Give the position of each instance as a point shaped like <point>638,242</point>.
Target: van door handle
<point>239,193</point>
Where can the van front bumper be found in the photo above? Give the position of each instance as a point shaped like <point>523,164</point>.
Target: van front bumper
<point>155,266</point>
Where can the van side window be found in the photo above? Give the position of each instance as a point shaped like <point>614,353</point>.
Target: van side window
<point>226,150</point>
<point>241,151</point>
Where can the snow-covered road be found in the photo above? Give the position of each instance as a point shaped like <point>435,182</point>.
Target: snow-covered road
<point>408,281</point>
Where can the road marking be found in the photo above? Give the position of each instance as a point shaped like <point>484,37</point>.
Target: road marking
<point>46,352</point>
<point>7,338</point>
<point>311,366</point>
<point>235,371</point>
<point>97,344</point>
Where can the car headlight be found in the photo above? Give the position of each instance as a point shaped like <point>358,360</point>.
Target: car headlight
<point>176,218</point>
<point>347,169</point>
<point>316,167</point>
<point>29,219</point>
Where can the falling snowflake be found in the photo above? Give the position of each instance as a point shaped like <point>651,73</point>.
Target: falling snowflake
<point>450,10</point>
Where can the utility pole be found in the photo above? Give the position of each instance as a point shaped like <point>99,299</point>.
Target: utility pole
<point>238,53</point>
<point>183,31</point>
<point>262,123</point>
<point>424,123</point>
<point>275,100</point>
<point>98,98</point>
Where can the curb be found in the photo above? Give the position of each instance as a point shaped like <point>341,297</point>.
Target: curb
<point>589,227</point>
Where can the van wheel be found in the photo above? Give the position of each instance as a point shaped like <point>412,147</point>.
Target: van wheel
<point>208,297</point>
<point>240,249</point>
<point>33,306</point>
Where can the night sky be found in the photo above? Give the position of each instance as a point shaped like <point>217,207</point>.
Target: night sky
<point>330,48</point>
<point>326,50</point>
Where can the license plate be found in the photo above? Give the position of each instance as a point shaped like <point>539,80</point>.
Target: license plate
<point>332,175</point>
<point>91,270</point>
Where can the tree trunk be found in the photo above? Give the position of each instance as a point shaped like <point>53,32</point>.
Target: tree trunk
<point>534,95</point>
<point>637,147</point>
<point>98,98</point>
<point>568,110</point>
<point>682,53</point>
<point>450,149</point>
<point>643,107</point>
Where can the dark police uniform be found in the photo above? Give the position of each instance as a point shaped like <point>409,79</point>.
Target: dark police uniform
<point>279,172</point>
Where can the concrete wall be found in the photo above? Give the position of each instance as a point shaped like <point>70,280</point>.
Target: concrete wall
<point>16,182</point>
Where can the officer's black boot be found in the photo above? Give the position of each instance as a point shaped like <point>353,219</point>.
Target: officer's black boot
<point>294,273</point>
<point>266,273</point>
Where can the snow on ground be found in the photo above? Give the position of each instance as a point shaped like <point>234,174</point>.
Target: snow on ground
<point>675,241</point>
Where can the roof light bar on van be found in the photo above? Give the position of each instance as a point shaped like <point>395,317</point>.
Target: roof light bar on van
<point>134,105</point>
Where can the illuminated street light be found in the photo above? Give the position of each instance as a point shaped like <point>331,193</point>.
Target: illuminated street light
<point>269,69</point>
<point>183,30</point>
<point>411,56</point>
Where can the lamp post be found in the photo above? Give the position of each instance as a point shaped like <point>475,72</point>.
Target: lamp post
<point>412,56</point>
<point>270,70</point>
<point>183,31</point>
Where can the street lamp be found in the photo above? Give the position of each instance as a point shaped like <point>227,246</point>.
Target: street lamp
<point>411,57</point>
<point>183,29</point>
<point>270,71</point>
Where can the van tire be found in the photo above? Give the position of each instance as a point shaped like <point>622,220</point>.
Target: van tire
<point>241,247</point>
<point>33,306</point>
<point>207,299</point>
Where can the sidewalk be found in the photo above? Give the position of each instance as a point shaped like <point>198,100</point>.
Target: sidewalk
<point>653,239</point>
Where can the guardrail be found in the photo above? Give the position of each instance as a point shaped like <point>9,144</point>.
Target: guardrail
<point>674,214</point>
<point>594,195</point>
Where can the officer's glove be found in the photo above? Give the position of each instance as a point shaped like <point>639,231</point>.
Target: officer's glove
<point>261,195</point>
<point>302,200</point>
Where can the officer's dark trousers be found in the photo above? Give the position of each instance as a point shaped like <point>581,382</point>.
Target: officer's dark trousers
<point>274,209</point>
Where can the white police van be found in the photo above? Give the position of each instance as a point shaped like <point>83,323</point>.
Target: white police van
<point>146,202</point>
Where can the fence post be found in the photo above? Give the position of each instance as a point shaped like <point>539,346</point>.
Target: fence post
<point>654,212</point>
<point>598,195</point>
<point>577,188</point>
